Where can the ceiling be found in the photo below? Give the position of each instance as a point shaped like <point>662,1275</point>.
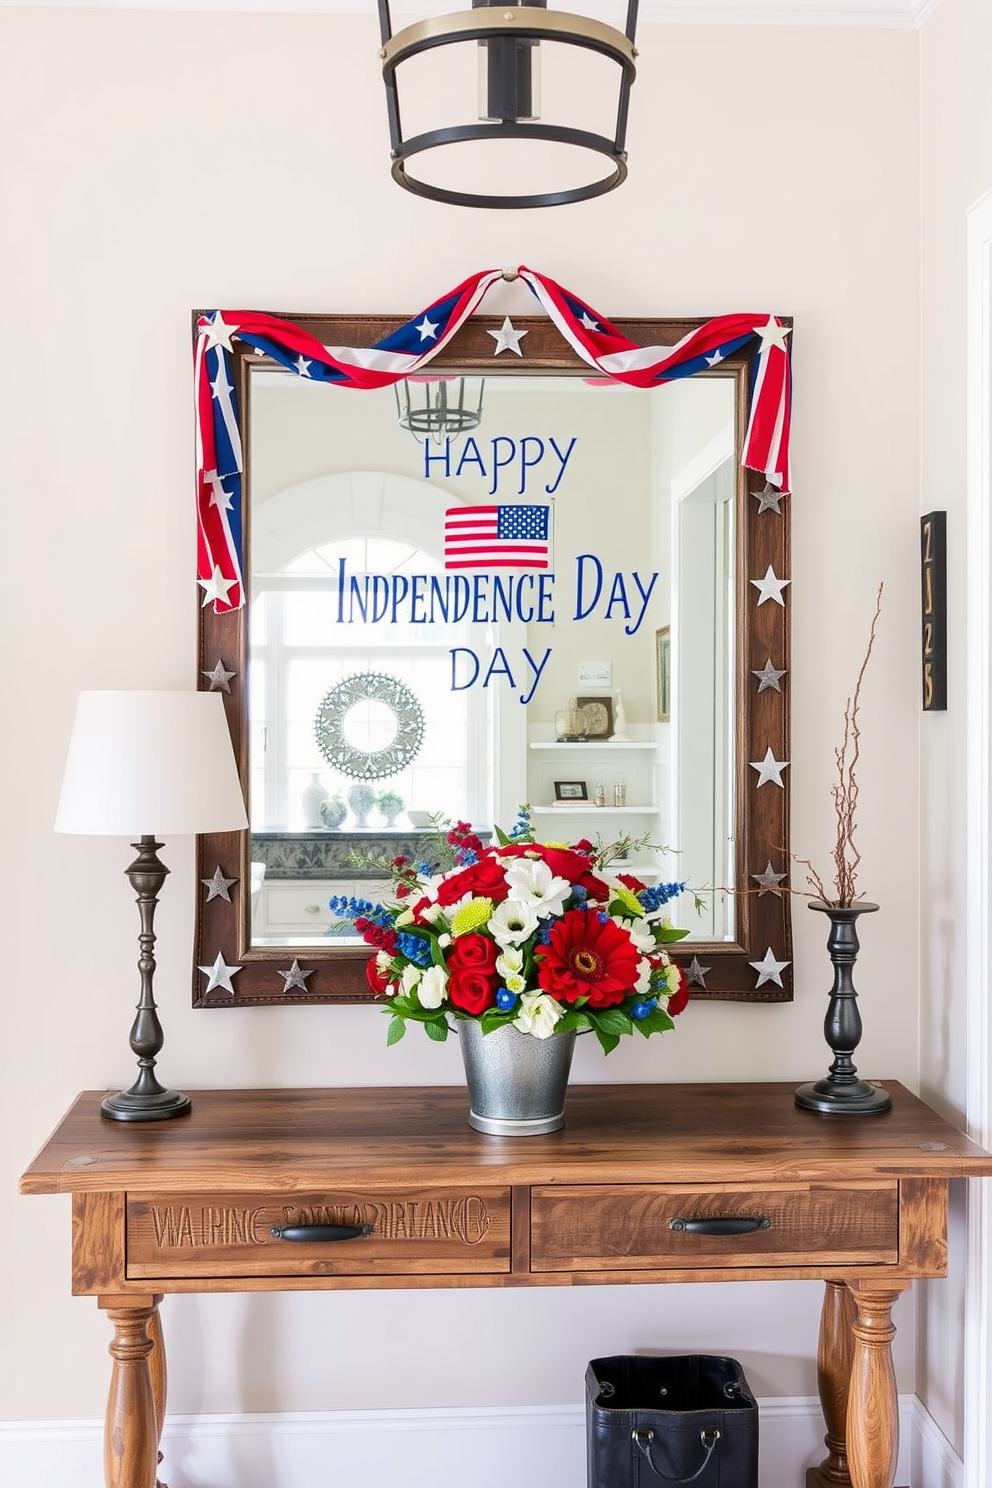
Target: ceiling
<point>905,13</point>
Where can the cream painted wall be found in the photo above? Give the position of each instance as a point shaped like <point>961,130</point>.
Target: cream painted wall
<point>956,171</point>
<point>155,162</point>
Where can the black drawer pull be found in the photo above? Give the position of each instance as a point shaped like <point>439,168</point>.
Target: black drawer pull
<point>320,1232</point>
<point>738,1225</point>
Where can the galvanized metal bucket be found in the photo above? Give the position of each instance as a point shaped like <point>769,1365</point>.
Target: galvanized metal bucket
<point>516,1083</point>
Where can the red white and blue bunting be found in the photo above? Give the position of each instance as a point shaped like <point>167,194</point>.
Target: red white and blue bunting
<point>409,348</point>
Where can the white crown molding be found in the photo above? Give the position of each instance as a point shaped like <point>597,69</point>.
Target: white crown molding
<point>854,13</point>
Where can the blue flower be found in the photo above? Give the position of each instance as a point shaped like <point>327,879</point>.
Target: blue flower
<point>505,1000</point>
<point>414,948</point>
<point>654,898</point>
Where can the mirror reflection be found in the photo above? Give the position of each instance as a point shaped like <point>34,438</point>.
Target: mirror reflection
<point>447,619</point>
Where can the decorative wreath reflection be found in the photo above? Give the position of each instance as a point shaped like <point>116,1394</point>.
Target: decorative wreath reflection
<point>337,743</point>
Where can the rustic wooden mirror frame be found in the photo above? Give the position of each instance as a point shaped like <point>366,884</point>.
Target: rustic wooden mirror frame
<point>763,918</point>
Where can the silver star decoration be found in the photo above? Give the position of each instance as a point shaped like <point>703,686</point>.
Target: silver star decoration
<point>428,329</point>
<point>219,975</point>
<point>770,587</point>
<point>696,974</point>
<point>217,332</point>
<point>768,969</point>
<point>772,334</point>
<point>770,499</point>
<point>295,977</point>
<point>769,768</point>
<point>216,588</point>
<point>768,676</point>
<point>506,338</point>
<point>220,677</point>
<point>217,887</point>
<point>769,880</point>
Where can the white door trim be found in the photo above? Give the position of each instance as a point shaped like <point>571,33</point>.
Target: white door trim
<point>978,1287</point>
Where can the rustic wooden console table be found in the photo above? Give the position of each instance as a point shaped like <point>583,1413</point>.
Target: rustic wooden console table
<point>273,1190</point>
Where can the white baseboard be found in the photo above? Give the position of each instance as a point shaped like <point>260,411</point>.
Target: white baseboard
<point>530,1447</point>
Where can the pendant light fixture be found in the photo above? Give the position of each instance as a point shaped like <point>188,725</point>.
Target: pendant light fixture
<point>513,105</point>
<point>438,408</point>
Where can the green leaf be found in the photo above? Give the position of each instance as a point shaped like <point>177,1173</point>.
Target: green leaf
<point>608,1041</point>
<point>436,1028</point>
<point>437,955</point>
<point>574,1018</point>
<point>615,1021</point>
<point>492,1018</point>
<point>501,837</point>
<point>666,934</point>
<point>395,1031</point>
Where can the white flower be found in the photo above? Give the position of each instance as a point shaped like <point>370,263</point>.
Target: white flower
<point>405,917</point>
<point>640,934</point>
<point>643,983</point>
<point>509,961</point>
<point>515,982</point>
<point>444,940</point>
<point>411,976</point>
<point>383,961</point>
<point>432,989</point>
<point>432,912</point>
<point>538,1014</point>
<point>532,882</point>
<point>673,979</point>
<point>512,922</point>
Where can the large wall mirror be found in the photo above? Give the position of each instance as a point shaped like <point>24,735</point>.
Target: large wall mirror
<point>507,582</point>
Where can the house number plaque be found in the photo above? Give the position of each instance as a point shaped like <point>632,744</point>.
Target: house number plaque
<point>933,567</point>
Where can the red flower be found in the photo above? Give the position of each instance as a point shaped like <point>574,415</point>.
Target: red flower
<point>564,862</point>
<point>594,887</point>
<point>630,882</point>
<point>471,991</point>
<point>679,999</point>
<point>484,879</point>
<point>473,953</point>
<point>587,957</point>
<point>377,982</point>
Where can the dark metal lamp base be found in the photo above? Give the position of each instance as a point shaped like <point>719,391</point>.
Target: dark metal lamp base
<point>126,1106</point>
<point>858,1099</point>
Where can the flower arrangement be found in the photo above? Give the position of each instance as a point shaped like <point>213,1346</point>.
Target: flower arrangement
<point>535,935</point>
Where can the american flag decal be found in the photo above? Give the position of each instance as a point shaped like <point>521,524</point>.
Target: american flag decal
<point>496,537</point>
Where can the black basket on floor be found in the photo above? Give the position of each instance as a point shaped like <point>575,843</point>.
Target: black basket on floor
<point>688,1418</point>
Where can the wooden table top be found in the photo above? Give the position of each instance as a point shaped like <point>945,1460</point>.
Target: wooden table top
<point>292,1140</point>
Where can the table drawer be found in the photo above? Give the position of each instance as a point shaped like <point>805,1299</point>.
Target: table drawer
<point>654,1227</point>
<point>430,1231</point>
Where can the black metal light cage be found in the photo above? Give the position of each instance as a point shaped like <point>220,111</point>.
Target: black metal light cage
<point>508,27</point>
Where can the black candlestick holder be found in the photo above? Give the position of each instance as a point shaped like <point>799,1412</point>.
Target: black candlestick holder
<point>146,1100</point>
<point>842,1092</point>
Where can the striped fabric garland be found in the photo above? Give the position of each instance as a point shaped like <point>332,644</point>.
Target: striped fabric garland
<point>414,344</point>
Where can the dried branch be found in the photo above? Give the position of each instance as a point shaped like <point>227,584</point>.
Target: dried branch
<point>846,790</point>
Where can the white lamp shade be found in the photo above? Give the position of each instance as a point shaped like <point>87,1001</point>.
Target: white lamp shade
<point>143,763</point>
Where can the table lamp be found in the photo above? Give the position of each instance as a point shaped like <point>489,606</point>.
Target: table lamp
<point>149,759</point>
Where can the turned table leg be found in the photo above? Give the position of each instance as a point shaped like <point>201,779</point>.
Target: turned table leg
<point>873,1404</point>
<point>160,1380</point>
<point>833,1371</point>
<point>130,1438</point>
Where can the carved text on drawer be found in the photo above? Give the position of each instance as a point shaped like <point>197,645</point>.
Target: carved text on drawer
<point>427,1229</point>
